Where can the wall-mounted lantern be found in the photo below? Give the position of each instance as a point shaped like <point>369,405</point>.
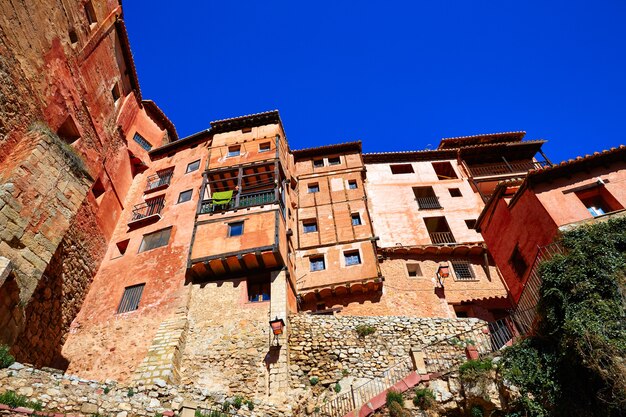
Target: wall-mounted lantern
<point>277,325</point>
<point>443,272</point>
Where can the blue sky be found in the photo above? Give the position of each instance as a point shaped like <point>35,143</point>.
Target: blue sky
<point>396,75</point>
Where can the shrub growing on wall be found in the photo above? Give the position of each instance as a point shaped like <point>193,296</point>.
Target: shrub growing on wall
<point>573,365</point>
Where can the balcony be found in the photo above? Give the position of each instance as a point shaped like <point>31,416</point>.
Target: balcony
<point>441,238</point>
<point>159,181</point>
<point>504,168</point>
<point>428,203</point>
<point>148,211</point>
<point>238,201</point>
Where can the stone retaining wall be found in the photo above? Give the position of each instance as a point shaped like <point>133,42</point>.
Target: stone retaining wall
<point>329,348</point>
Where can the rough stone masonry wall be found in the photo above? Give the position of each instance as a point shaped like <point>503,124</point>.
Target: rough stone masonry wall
<point>329,348</point>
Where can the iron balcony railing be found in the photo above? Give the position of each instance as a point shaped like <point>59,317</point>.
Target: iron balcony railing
<point>504,168</point>
<point>149,208</point>
<point>239,201</point>
<point>159,180</point>
<point>428,203</point>
<point>441,238</point>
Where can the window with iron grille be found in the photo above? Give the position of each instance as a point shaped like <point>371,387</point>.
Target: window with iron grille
<point>130,299</point>
<point>352,258</point>
<point>317,263</point>
<point>155,239</point>
<point>142,142</point>
<point>463,271</point>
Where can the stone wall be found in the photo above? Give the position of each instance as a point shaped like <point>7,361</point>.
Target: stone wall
<point>329,348</point>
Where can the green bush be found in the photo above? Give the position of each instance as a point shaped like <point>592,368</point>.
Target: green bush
<point>314,380</point>
<point>477,411</point>
<point>337,387</point>
<point>130,392</point>
<point>396,410</point>
<point>394,397</point>
<point>6,359</point>
<point>364,330</point>
<point>474,369</point>
<point>14,400</point>
<point>237,402</point>
<point>226,406</point>
<point>250,405</point>
<point>424,398</point>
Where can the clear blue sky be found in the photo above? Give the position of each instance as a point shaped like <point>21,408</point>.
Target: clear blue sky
<point>396,75</point>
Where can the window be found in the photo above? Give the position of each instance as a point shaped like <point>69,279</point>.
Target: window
<point>115,92</point>
<point>98,189</point>
<point>130,299</point>
<point>122,246</point>
<point>234,151</point>
<point>352,185</point>
<point>155,239</point>
<point>471,223</point>
<point>258,289</point>
<point>193,166</point>
<point>68,131</point>
<point>518,262</point>
<point>455,192</point>
<point>246,130</point>
<point>235,229</point>
<point>596,205</point>
<point>142,142</point>
<point>317,263</point>
<point>444,170</point>
<point>334,160</point>
<point>402,169</point>
<point>356,219</point>
<point>318,163</point>
<point>463,271</point>
<point>439,230</point>
<point>265,147</point>
<point>73,37</point>
<point>352,258</point>
<point>90,13</point>
<point>426,198</point>
<point>413,269</point>
<point>185,196</point>
<point>309,226</point>
<point>314,188</point>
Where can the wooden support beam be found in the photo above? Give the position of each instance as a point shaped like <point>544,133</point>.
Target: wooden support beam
<point>225,265</point>
<point>259,259</point>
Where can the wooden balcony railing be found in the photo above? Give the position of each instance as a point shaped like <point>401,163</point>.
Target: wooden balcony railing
<point>149,208</point>
<point>504,168</point>
<point>428,203</point>
<point>159,180</point>
<point>242,200</point>
<point>441,238</point>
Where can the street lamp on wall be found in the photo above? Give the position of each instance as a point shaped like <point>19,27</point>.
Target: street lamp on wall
<point>277,325</point>
<point>443,272</point>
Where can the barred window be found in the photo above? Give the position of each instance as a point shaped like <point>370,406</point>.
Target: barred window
<point>142,142</point>
<point>130,299</point>
<point>463,271</point>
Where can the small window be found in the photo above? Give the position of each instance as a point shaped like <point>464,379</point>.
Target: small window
<point>413,269</point>
<point>595,203</point>
<point>471,223</point>
<point>258,290</point>
<point>455,192</point>
<point>317,263</point>
<point>318,163</point>
<point>444,170</point>
<point>155,240</point>
<point>122,246</point>
<point>235,229</point>
<point>314,188</point>
<point>352,185</point>
<point>334,160</point>
<point>234,151</point>
<point>246,130</point>
<point>115,92</point>
<point>356,219</point>
<point>309,226</point>
<point>193,166</point>
<point>68,131</point>
<point>352,258</point>
<point>98,189</point>
<point>265,147</point>
<point>142,142</point>
<point>463,271</point>
<point>73,36</point>
<point>130,299</point>
<point>90,13</point>
<point>185,196</point>
<point>518,262</point>
<point>402,169</point>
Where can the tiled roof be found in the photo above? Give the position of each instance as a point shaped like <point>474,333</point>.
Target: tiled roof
<point>327,149</point>
<point>255,119</point>
<point>405,156</point>
<point>459,141</point>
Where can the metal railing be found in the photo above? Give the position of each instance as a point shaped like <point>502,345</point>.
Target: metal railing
<point>160,179</point>
<point>428,203</point>
<point>504,168</point>
<point>440,238</point>
<point>149,208</point>
<point>239,201</point>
